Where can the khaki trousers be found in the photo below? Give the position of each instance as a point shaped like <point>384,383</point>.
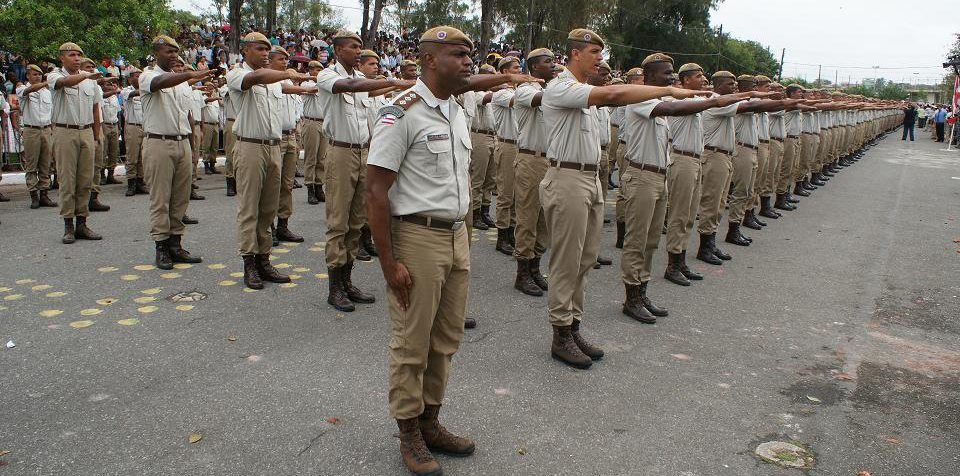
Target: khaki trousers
<point>573,208</point>
<point>807,148</point>
<point>74,152</point>
<point>346,207</point>
<point>314,152</point>
<point>36,157</point>
<point>684,179</point>
<point>506,163</point>
<point>196,132</point>
<point>717,168</point>
<point>826,144</point>
<point>646,202</point>
<point>604,172</point>
<point>210,142</point>
<point>774,162</point>
<point>744,174</point>
<point>427,334</point>
<point>481,164</point>
<point>289,153</point>
<point>763,163</point>
<point>257,170</point>
<point>166,171</point>
<point>110,146</point>
<point>531,233</point>
<point>612,150</point>
<point>789,165</point>
<point>229,147</point>
<point>621,168</point>
<point>133,136</point>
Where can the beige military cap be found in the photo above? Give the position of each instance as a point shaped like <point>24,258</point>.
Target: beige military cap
<point>795,85</point>
<point>586,36</point>
<point>723,74</point>
<point>505,61</point>
<point>538,53</point>
<point>315,64</point>
<point>446,35</point>
<point>616,81</point>
<point>656,58</point>
<point>88,60</point>
<point>164,40</point>
<point>279,49</point>
<point>347,34</point>
<point>291,70</point>
<point>255,37</point>
<point>69,46</point>
<point>34,67</point>
<point>604,65</point>
<point>746,77</point>
<point>690,67</point>
<point>405,63</point>
<point>635,72</point>
<point>369,54</point>
<point>486,68</point>
<point>776,85</point>
<point>761,79</point>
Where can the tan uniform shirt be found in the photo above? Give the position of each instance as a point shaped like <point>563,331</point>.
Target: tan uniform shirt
<point>648,138</point>
<point>197,103</point>
<point>778,125</point>
<point>288,113</point>
<point>483,120</point>
<point>36,107</point>
<point>110,110</point>
<point>346,113</point>
<point>793,122</point>
<point>165,110</point>
<point>314,105</point>
<point>430,152</point>
<point>228,107</point>
<point>503,114</point>
<point>763,125</point>
<point>74,105</point>
<point>718,127</point>
<point>687,131</point>
<point>603,118</point>
<point>616,116</point>
<point>211,112</point>
<point>132,107</point>
<point>810,124</point>
<point>571,123</point>
<point>530,127</point>
<point>746,127</point>
<point>257,108</point>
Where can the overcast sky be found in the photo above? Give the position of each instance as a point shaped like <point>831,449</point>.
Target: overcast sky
<point>848,37</point>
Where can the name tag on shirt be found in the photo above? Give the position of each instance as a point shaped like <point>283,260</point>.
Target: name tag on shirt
<point>438,137</point>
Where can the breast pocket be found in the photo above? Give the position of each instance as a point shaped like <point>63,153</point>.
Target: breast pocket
<point>442,160</point>
<point>586,121</point>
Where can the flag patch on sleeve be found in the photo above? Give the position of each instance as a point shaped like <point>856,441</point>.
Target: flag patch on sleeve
<point>388,119</point>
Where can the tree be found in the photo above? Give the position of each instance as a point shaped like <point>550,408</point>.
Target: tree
<point>103,28</point>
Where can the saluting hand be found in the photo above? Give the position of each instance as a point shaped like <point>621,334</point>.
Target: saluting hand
<point>404,83</point>
<point>728,99</point>
<point>298,76</point>
<point>680,93</point>
<point>200,75</point>
<point>524,78</point>
<point>398,278</point>
<point>95,76</point>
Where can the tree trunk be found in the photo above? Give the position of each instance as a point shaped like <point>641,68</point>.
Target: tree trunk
<point>529,26</point>
<point>371,36</point>
<point>365,19</point>
<point>271,16</point>
<point>234,16</point>
<point>486,27</point>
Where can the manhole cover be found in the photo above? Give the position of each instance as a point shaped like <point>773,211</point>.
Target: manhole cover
<point>785,454</point>
<point>188,296</point>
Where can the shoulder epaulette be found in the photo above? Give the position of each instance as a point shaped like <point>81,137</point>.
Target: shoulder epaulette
<point>407,100</point>
<point>459,101</point>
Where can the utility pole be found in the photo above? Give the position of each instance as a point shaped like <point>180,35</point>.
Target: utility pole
<point>780,73</point>
<point>836,80</point>
<point>719,47</point>
<point>819,71</point>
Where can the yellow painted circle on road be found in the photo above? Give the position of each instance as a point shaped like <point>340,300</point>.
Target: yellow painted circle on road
<point>25,281</point>
<point>216,266</point>
<point>12,297</point>
<point>107,301</point>
<point>147,309</point>
<point>182,266</point>
<point>129,277</point>
<point>81,324</point>
<point>107,269</point>
<point>129,322</point>
<point>301,270</point>
<point>238,274</point>
<point>288,285</point>
<point>184,307</point>
<point>90,312</point>
<point>144,267</point>
<point>144,299</point>
<point>227,282</point>
<point>50,313</point>
<point>56,294</point>
<point>281,250</point>
<point>41,287</point>
<point>151,291</point>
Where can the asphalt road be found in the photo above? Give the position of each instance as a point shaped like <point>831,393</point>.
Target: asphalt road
<point>836,330</point>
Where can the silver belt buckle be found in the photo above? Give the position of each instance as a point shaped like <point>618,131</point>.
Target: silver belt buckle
<point>456,225</point>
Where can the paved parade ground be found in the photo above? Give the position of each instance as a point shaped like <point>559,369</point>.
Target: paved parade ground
<point>837,331</point>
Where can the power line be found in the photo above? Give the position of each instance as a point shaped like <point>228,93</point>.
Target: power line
<point>864,67</point>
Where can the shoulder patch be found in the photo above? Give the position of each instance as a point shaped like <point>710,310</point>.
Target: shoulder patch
<point>407,100</point>
<point>396,111</point>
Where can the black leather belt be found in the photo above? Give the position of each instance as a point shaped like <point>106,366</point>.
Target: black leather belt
<point>286,132</point>
<point>747,145</point>
<point>648,168</point>
<point>138,124</point>
<point>259,141</point>
<point>812,133</point>
<point>789,136</point>
<point>508,141</point>
<point>573,166</point>
<point>717,149</point>
<point>36,127</point>
<point>531,152</point>
<point>764,141</point>
<point>212,123</point>
<point>688,154</point>
<point>603,147</point>
<point>166,137</point>
<point>71,126</point>
<point>347,145</point>
<point>431,222</point>
<point>480,131</point>
<point>776,139</point>
<point>114,124</point>
<point>621,141</point>
<point>313,119</point>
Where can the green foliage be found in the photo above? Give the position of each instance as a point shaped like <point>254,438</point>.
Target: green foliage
<point>103,28</point>
<point>881,88</point>
<point>421,15</point>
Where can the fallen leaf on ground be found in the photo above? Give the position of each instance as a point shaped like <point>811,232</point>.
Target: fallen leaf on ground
<point>232,338</point>
<point>813,399</point>
<point>195,437</point>
<point>680,356</point>
<point>891,440</point>
<point>843,376</point>
<point>333,420</point>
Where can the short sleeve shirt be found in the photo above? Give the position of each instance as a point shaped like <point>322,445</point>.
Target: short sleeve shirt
<point>648,138</point>
<point>229,111</point>
<point>763,125</point>
<point>164,110</point>
<point>810,123</point>
<point>687,131</point>
<point>503,114</point>
<point>430,154</point>
<point>793,121</point>
<point>73,105</point>
<point>778,126</point>
<point>314,105</point>
<point>288,113</point>
<point>199,100</point>
<point>570,122</point>
<point>257,108</point>
<point>530,126</point>
<point>211,112</point>
<point>110,110</point>
<point>746,127</point>
<point>132,106</point>
<point>718,127</point>
<point>484,118</point>
<point>35,107</point>
<point>603,118</point>
<point>616,116</point>
<point>345,117</point>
